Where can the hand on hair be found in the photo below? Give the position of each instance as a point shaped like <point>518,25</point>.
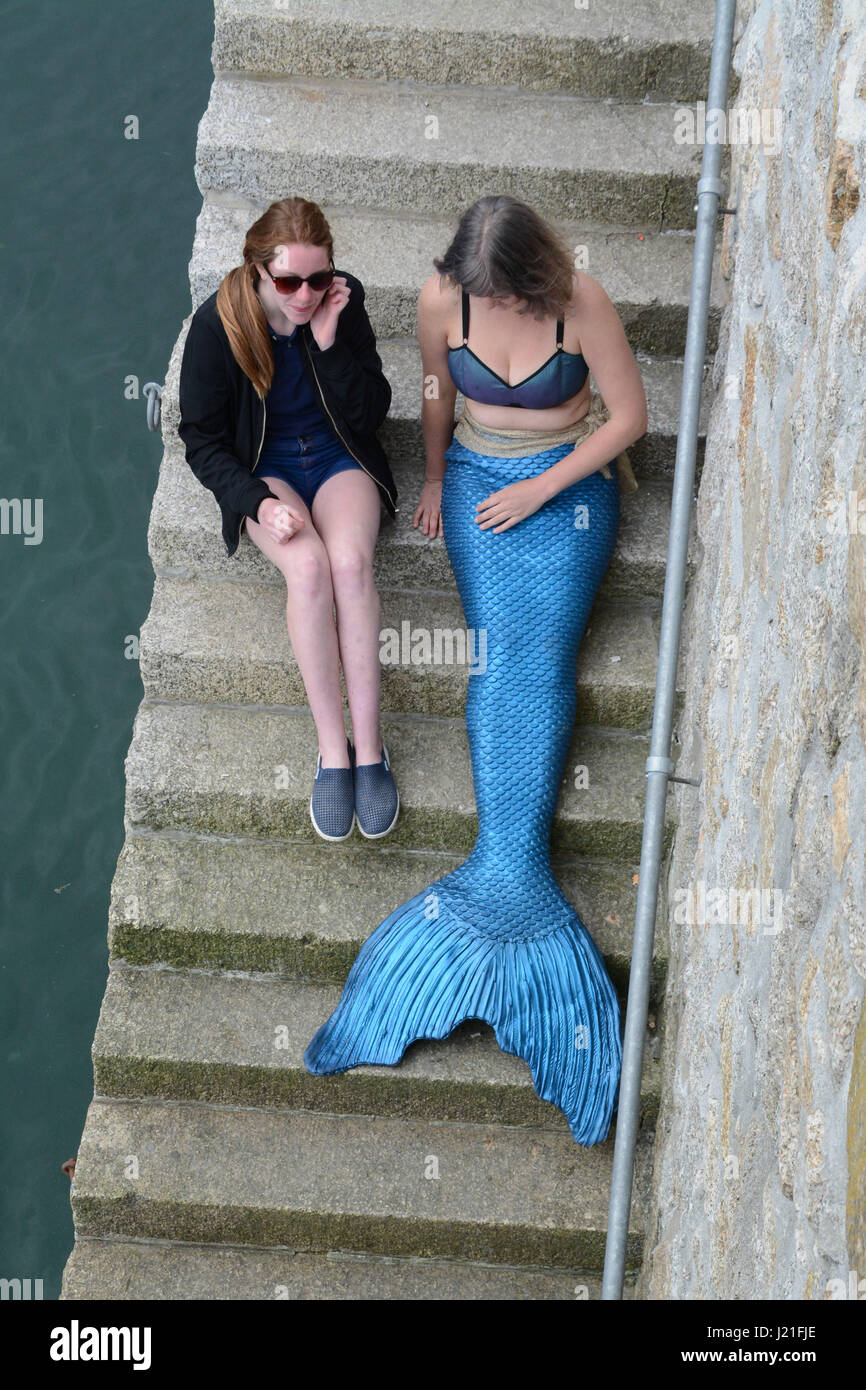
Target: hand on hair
<point>324,321</point>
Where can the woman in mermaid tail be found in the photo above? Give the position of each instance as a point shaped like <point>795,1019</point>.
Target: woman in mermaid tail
<point>529,507</point>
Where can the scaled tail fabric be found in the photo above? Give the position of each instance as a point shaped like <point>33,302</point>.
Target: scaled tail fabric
<point>496,939</point>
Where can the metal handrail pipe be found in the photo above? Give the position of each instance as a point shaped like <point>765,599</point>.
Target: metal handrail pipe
<point>659,766</point>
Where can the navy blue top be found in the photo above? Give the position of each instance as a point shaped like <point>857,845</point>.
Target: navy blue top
<point>292,407</point>
<point>555,381</point>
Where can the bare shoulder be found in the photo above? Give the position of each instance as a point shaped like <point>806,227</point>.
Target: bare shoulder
<point>438,297</point>
<point>592,318</point>
<point>588,294</point>
<point>435,308</point>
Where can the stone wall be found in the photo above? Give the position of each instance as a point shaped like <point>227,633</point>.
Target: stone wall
<point>760,1169</point>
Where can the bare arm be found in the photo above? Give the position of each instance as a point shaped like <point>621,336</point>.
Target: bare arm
<point>612,362</point>
<point>437,402</point>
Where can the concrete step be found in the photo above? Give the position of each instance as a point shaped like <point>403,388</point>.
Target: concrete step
<point>269,906</point>
<point>392,255</point>
<point>318,1182</point>
<point>198,1036</point>
<point>185,534</point>
<point>248,770</point>
<point>423,148</point>
<point>210,639</point>
<point>621,49</point>
<point>652,456</point>
<point>116,1269</point>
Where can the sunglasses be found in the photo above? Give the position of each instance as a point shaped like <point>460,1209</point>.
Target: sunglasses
<point>290,284</point>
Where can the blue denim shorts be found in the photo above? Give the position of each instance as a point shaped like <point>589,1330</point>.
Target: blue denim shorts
<point>305,461</point>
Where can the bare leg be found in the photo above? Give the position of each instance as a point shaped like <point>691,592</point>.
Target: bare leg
<point>346,512</point>
<point>303,562</point>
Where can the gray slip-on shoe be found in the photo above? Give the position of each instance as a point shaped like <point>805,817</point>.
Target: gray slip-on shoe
<point>377,801</point>
<point>332,804</point>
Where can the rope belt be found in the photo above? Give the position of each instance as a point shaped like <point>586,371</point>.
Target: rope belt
<point>512,443</point>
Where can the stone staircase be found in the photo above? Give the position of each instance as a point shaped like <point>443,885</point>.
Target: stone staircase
<point>212,1164</point>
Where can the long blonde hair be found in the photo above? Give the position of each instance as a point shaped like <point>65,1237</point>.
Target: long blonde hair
<point>287,221</point>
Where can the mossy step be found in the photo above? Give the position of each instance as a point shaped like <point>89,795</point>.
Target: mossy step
<point>620,49</point>
<point>166,1170</point>
<point>185,533</point>
<point>249,770</point>
<point>209,639</point>
<point>423,148</point>
<point>228,1040</point>
<point>303,910</point>
<point>126,1270</point>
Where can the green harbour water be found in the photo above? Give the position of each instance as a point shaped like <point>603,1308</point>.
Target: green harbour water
<point>96,239</point>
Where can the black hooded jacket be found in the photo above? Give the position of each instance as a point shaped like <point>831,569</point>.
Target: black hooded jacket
<point>222,419</point>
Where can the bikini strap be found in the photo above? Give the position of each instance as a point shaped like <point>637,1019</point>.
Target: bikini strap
<point>465,318</point>
<point>560,334</point>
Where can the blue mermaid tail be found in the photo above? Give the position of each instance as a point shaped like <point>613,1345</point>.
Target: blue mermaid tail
<point>496,939</point>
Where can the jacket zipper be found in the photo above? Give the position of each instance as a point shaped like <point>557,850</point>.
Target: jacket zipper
<point>339,436</point>
<point>262,440</point>
<point>254,467</point>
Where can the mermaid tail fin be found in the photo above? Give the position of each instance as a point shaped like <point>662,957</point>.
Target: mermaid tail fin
<point>547,996</point>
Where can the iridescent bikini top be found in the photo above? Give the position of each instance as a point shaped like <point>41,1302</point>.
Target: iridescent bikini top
<point>555,381</point>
